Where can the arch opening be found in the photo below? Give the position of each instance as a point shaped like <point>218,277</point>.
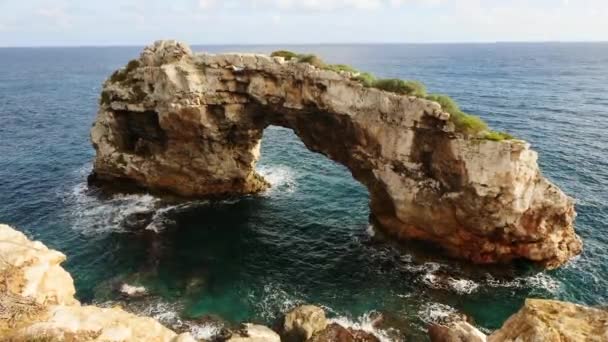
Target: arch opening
<point>481,200</point>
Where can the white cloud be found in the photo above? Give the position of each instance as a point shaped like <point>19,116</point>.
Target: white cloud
<point>57,15</point>
<point>206,4</point>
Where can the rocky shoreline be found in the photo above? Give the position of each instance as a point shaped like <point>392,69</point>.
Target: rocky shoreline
<point>37,303</point>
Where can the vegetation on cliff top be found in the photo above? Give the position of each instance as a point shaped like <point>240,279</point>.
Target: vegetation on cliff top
<point>465,123</point>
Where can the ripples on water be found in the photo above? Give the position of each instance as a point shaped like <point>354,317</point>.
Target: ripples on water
<point>307,239</point>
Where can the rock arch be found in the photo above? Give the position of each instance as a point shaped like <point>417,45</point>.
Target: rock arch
<point>191,124</point>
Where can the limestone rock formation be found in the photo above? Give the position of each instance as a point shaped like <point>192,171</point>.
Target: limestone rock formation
<point>539,320</point>
<point>302,322</point>
<point>554,321</point>
<point>337,333</point>
<point>255,333</point>
<point>37,301</point>
<point>191,124</point>
<point>458,331</point>
<point>29,269</point>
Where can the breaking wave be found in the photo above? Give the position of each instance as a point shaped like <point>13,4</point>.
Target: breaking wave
<point>282,178</point>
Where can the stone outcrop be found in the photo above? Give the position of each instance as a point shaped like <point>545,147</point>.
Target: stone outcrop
<point>554,321</point>
<point>337,333</point>
<point>302,322</point>
<point>254,333</point>
<point>191,124</point>
<point>539,320</point>
<point>458,331</point>
<point>37,301</point>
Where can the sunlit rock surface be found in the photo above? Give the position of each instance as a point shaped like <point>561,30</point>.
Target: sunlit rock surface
<point>37,301</point>
<point>191,124</point>
<point>554,321</point>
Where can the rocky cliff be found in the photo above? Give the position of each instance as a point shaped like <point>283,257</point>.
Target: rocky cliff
<point>539,320</point>
<point>37,301</point>
<point>191,124</point>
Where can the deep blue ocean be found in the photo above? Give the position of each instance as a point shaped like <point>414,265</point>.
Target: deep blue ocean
<point>307,240</point>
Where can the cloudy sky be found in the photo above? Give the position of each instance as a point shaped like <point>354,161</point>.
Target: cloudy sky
<point>137,22</point>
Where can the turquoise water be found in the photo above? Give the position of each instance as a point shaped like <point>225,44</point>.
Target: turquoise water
<point>307,240</point>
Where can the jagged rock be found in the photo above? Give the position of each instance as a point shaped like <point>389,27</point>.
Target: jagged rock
<point>138,220</point>
<point>302,322</point>
<point>254,333</point>
<point>459,331</point>
<point>29,269</point>
<point>37,301</point>
<point>337,333</point>
<point>191,124</point>
<point>554,321</point>
<point>133,291</point>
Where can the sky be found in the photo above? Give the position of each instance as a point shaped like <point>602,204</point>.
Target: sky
<point>139,22</point>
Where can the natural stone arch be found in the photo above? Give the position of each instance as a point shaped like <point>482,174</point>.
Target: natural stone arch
<point>191,124</point>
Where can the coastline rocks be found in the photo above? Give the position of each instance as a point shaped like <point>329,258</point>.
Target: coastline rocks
<point>337,333</point>
<point>554,321</point>
<point>539,320</point>
<point>459,331</point>
<point>254,333</point>
<point>191,125</point>
<point>303,322</point>
<point>29,269</point>
<point>37,301</point>
<point>132,291</point>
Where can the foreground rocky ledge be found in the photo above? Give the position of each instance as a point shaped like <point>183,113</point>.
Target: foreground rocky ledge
<point>37,304</point>
<point>191,124</point>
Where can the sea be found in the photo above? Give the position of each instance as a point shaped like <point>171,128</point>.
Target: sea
<point>210,264</point>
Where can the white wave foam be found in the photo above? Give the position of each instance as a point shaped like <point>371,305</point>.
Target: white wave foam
<point>168,314</point>
<point>92,214</point>
<point>365,323</point>
<point>436,313</point>
<point>370,230</point>
<point>274,299</point>
<point>463,286</point>
<point>460,286</point>
<point>281,178</point>
<point>539,281</point>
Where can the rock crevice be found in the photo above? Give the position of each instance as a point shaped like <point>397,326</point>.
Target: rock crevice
<point>191,124</point>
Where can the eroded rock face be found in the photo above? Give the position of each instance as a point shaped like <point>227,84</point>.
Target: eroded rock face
<point>191,124</point>
<point>458,331</point>
<point>255,333</point>
<point>554,321</point>
<point>37,301</point>
<point>302,322</point>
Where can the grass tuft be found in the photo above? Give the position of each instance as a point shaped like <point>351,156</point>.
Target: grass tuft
<point>341,68</point>
<point>498,136</point>
<point>398,86</point>
<point>464,123</point>
<point>288,55</point>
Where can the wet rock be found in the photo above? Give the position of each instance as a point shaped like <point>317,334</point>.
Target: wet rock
<point>455,332</point>
<point>138,221</point>
<point>337,333</point>
<point>554,321</point>
<point>131,291</point>
<point>254,333</point>
<point>302,322</point>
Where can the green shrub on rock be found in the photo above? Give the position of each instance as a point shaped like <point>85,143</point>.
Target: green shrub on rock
<point>464,123</point>
<point>312,60</point>
<point>288,55</point>
<point>498,136</point>
<point>398,86</point>
<point>366,79</point>
<point>341,67</point>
